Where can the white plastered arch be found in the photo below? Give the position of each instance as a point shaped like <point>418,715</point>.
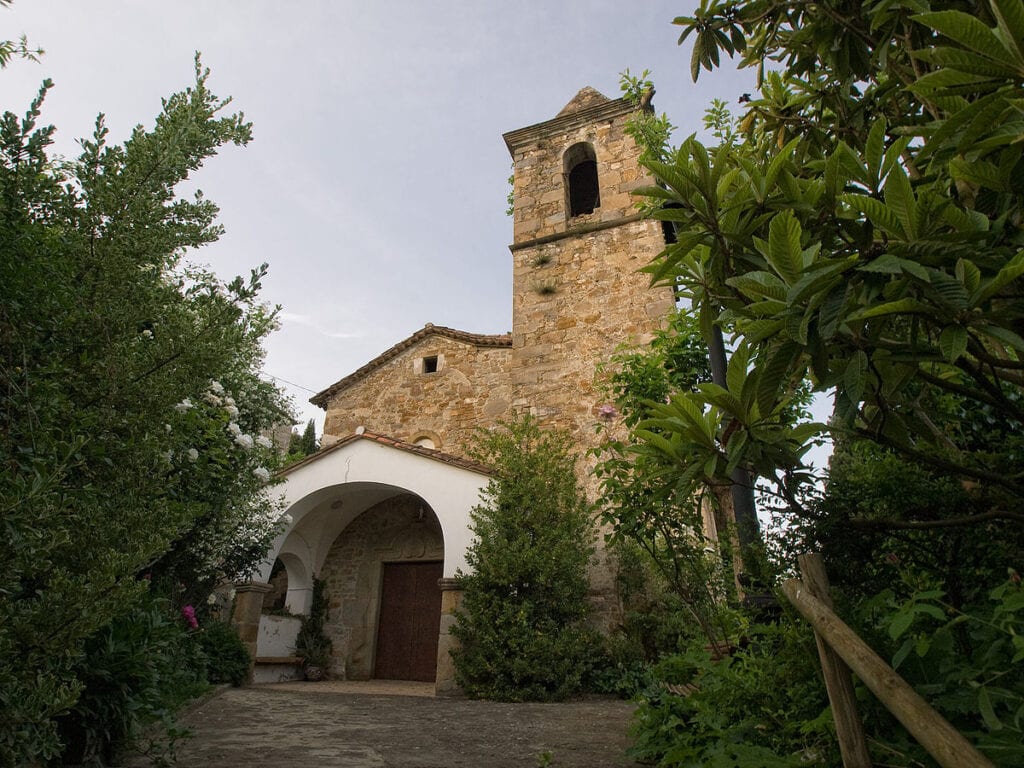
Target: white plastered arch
<point>325,493</point>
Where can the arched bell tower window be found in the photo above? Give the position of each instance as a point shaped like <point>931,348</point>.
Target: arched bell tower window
<point>580,167</point>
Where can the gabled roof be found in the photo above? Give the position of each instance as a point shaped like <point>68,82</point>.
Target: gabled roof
<point>586,108</point>
<point>476,339</point>
<point>586,97</point>
<point>362,434</point>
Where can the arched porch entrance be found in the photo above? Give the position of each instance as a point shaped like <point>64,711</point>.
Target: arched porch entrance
<point>385,524</point>
<point>382,578</point>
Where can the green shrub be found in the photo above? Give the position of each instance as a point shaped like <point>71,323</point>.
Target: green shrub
<point>761,707</point>
<point>227,659</point>
<point>312,643</point>
<point>966,663</point>
<point>137,671</point>
<point>523,623</point>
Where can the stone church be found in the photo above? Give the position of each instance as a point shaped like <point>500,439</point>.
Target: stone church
<point>381,512</point>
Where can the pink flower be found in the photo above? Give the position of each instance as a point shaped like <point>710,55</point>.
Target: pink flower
<point>189,614</point>
<point>607,412</point>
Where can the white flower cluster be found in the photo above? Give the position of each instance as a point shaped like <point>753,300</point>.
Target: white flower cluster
<point>217,396</point>
<point>251,526</point>
<point>241,439</point>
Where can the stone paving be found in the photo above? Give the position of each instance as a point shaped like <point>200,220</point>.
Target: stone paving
<point>398,725</point>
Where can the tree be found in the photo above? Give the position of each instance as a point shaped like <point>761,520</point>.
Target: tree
<point>522,625</point>
<point>300,446</point>
<point>863,233</point>
<point>19,48</point>
<point>639,501</point>
<point>130,396</point>
<point>860,230</point>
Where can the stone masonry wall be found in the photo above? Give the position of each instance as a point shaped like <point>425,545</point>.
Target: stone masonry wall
<point>470,389</point>
<point>578,294</point>
<point>539,185</point>
<point>561,333</point>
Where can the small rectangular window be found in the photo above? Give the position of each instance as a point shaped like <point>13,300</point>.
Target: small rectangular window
<point>430,364</point>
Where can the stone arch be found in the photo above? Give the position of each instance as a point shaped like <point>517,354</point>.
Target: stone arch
<point>399,530</point>
<point>582,191</point>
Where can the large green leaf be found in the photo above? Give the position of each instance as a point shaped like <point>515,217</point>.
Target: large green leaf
<point>1010,21</point>
<point>899,198</point>
<point>877,212</point>
<point>736,371</point>
<point>855,376</point>
<point>821,276</point>
<point>890,264</point>
<point>949,290</point>
<point>723,399</point>
<point>953,342</point>
<point>1004,335</point>
<point>964,61</point>
<point>979,172</point>
<point>874,149</point>
<point>898,307</point>
<point>758,285</point>
<point>756,331</point>
<point>967,272</point>
<point>830,315</point>
<point>784,252</point>
<point>989,288</point>
<point>947,81</point>
<point>969,32</point>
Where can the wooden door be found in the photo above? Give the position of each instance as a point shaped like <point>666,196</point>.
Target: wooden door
<point>410,619</point>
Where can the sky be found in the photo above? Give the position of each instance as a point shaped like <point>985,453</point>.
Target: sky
<point>376,182</point>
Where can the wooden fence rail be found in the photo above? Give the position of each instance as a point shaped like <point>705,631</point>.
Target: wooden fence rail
<point>837,643</point>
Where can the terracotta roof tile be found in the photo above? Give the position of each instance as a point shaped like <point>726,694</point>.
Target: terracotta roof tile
<point>391,442</point>
<point>477,339</point>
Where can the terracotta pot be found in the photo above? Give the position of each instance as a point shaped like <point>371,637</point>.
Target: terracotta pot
<point>313,673</point>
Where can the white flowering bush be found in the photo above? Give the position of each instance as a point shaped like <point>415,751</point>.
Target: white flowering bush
<point>121,369</point>
<point>219,468</point>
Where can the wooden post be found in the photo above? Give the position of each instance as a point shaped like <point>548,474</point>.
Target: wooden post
<point>838,682</point>
<point>942,741</point>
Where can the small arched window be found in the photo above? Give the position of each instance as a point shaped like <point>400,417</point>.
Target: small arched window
<point>580,167</point>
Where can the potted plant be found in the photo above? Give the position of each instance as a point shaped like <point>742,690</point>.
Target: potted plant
<point>311,644</point>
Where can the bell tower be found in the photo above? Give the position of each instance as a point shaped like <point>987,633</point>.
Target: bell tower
<point>578,245</point>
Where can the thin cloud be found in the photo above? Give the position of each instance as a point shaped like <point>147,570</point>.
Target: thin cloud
<point>308,322</point>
